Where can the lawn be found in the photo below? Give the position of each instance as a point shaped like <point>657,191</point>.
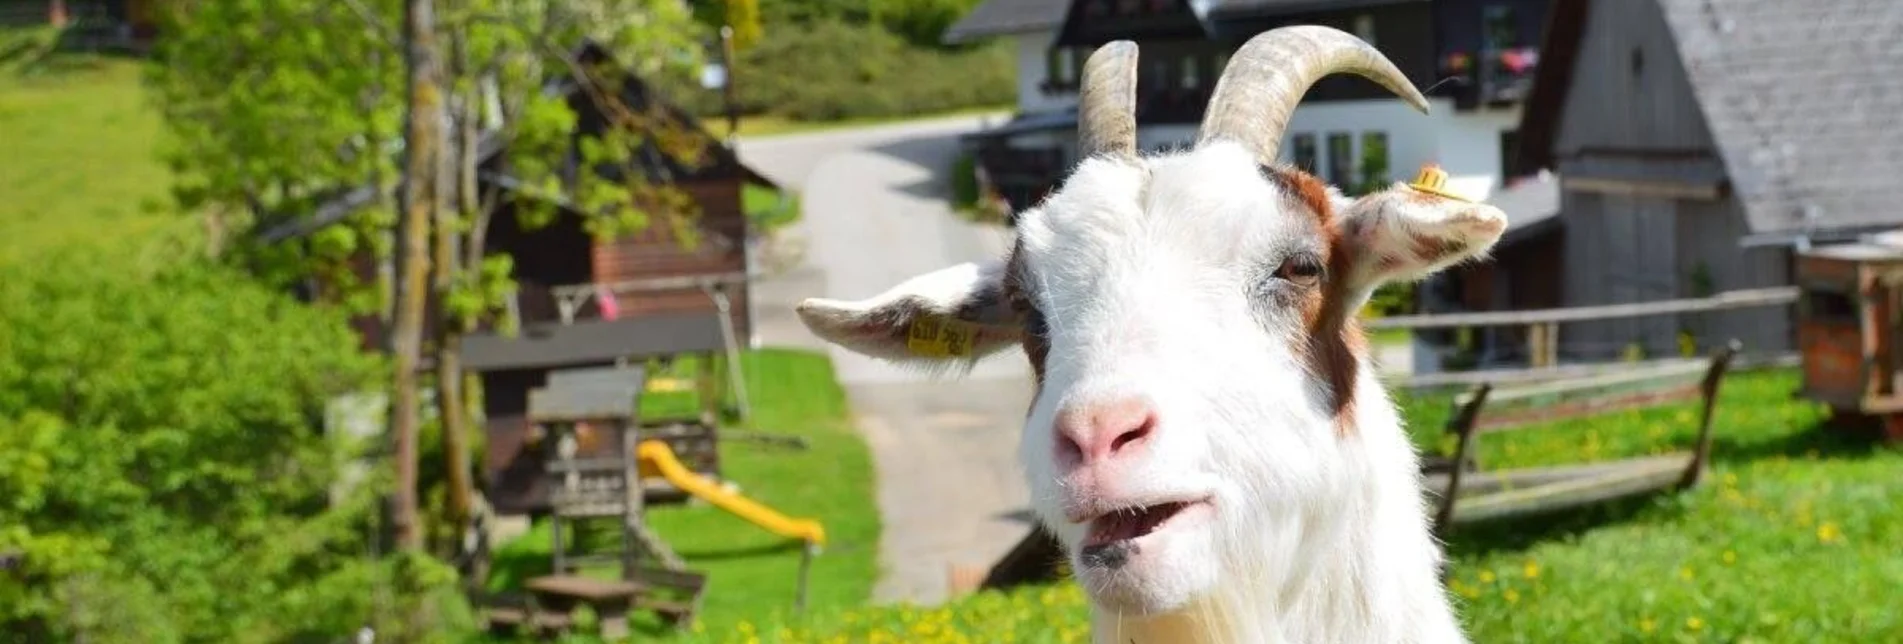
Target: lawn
<point>752,573</point>
<point>1792,539</point>
<point>767,125</point>
<point>80,162</point>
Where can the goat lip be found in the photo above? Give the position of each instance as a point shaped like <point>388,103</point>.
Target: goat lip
<point>1134,522</point>
<point>1084,512</point>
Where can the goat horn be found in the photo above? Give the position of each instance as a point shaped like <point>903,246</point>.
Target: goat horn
<point>1107,110</point>
<point>1267,77</point>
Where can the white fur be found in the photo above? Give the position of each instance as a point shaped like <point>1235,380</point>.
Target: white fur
<point>1143,271</point>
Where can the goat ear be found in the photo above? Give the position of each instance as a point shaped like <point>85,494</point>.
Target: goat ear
<point>1405,234</point>
<point>949,314</point>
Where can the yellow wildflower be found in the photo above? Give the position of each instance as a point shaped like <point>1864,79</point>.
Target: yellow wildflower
<point>1731,557</point>
<point>1531,570</point>
<point>1829,533</point>
<point>1511,595</point>
<point>1647,625</point>
<point>1694,623</point>
<point>1685,573</point>
<point>1486,576</point>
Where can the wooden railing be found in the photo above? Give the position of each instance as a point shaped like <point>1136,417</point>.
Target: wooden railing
<point>1543,324</point>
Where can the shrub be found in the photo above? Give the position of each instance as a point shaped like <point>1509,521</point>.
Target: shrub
<point>164,468</point>
<point>832,70</point>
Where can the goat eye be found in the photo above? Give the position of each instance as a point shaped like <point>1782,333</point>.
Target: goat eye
<point>1301,269</point>
<point>1034,324</point>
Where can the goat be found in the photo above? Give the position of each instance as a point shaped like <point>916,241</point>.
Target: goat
<point>1206,439</point>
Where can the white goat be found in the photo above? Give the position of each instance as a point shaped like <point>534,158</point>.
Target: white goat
<point>1208,440</point>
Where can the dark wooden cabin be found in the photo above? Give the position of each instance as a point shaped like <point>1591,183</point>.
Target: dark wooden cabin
<point>562,258</point>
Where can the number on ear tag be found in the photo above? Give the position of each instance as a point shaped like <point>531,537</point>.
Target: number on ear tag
<point>940,337</point>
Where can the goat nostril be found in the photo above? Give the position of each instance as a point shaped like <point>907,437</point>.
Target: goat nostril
<point>1135,434</point>
<point>1068,451</point>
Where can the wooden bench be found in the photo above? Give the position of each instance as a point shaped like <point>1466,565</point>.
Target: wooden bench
<point>611,600</point>
<point>1468,493</point>
<point>674,595</point>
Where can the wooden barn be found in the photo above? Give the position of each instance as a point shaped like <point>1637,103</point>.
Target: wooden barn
<point>584,301</point>
<point>1697,144</point>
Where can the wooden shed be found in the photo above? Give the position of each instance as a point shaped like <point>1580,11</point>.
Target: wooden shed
<point>1698,144</point>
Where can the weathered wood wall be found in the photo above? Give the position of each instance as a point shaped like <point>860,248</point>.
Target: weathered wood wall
<point>1630,118</point>
<point>657,252</point>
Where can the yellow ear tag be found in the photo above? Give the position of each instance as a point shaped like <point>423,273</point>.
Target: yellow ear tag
<point>940,337</point>
<point>1432,180</point>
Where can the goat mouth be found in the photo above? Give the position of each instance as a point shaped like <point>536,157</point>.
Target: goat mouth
<point>1122,526</point>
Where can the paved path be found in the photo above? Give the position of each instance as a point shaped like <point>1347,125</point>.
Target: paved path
<point>945,450</point>
<point>875,213</point>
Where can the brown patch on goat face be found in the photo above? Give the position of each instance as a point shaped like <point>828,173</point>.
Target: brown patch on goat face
<point>1305,189</point>
<point>1333,343</point>
<point>1034,335</point>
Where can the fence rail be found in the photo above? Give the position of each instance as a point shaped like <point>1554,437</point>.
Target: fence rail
<point>1741,299</point>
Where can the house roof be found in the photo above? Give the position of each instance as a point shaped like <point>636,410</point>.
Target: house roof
<point>1225,8</point>
<point>997,17</point>
<point>1530,205</point>
<point>637,94</point>
<point>1800,98</point>
<point>586,342</point>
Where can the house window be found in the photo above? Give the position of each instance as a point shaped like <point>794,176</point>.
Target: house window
<point>1497,27</point>
<point>1306,156</point>
<point>1364,27</point>
<point>1341,159</point>
<point>1374,162</point>
<point>1510,154</point>
<point>1061,67</point>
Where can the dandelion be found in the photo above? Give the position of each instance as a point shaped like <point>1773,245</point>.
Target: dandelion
<point>1685,573</point>
<point>1511,595</point>
<point>1730,557</point>
<point>1694,623</point>
<point>1486,576</point>
<point>1648,625</point>
<point>1531,570</point>
<point>1829,533</point>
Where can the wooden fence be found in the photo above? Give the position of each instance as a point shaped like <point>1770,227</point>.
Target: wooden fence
<point>1543,324</point>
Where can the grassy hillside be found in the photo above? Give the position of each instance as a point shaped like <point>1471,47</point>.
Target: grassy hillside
<point>80,161</point>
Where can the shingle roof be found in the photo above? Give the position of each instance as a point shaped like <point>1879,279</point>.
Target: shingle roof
<point>996,17</point>
<point>1803,100</point>
<point>1273,7</point>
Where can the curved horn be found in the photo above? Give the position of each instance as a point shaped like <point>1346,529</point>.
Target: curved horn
<point>1267,77</point>
<point>1106,111</point>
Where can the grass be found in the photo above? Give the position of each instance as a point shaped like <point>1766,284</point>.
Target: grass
<point>752,573</point>
<point>769,209</point>
<point>80,163</point>
<point>769,125</point>
<point>1792,539</point>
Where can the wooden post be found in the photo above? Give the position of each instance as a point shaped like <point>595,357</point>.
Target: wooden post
<point>806,567</point>
<point>1463,426</point>
<point>633,493</point>
<point>1715,376</point>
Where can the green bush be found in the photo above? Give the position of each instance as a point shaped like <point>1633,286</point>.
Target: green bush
<point>832,70</point>
<point>163,468</point>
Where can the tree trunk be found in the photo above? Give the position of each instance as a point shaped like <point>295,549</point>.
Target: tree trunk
<point>422,151</point>
<point>449,377</point>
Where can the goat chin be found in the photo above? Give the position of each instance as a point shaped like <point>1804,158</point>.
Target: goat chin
<point>1366,574</point>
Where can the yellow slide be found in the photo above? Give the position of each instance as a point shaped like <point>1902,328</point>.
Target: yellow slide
<point>657,456</point>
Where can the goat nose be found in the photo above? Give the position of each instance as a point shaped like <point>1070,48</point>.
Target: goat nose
<point>1099,431</point>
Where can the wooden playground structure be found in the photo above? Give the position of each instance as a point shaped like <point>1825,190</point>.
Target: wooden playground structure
<point>603,464</point>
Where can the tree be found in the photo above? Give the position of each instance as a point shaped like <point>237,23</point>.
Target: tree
<point>422,177</point>
<point>328,67</point>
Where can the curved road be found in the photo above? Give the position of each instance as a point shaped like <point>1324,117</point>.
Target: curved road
<point>875,212</point>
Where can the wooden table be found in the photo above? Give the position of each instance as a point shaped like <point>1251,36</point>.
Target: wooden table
<point>610,599</point>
